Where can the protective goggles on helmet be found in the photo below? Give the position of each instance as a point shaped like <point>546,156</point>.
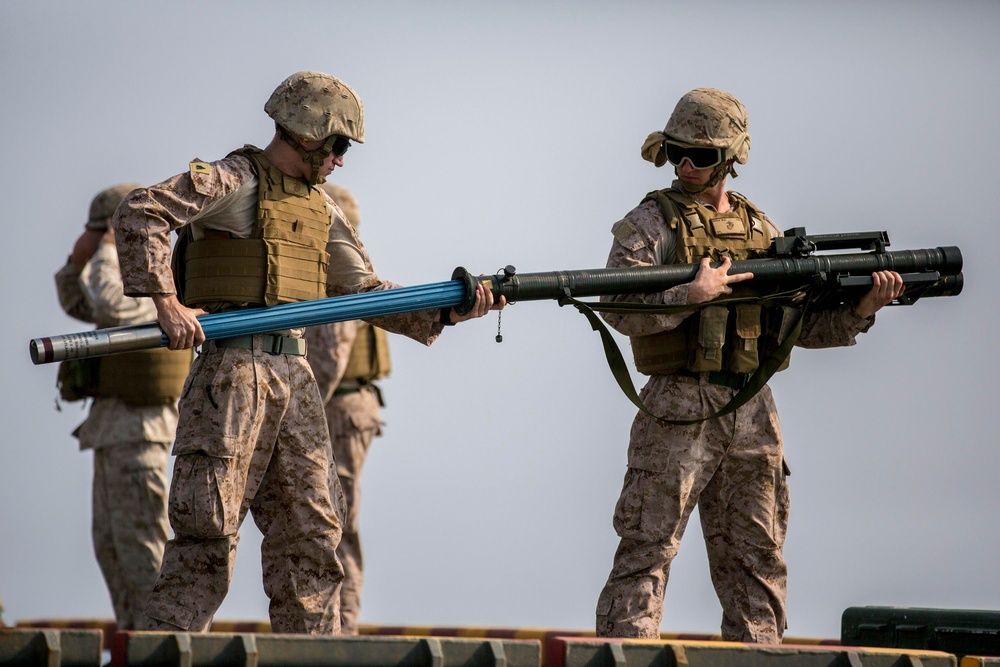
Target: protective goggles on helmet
<point>701,157</point>
<point>337,145</point>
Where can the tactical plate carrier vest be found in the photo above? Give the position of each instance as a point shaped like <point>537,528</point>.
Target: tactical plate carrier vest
<point>369,359</point>
<point>146,377</point>
<point>731,337</point>
<point>284,261</point>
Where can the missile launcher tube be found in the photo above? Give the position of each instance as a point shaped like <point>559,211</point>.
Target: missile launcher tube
<point>942,264</point>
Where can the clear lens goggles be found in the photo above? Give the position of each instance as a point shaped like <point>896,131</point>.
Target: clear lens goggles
<point>701,157</point>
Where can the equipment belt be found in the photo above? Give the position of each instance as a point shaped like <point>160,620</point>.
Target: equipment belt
<point>270,343</point>
<point>724,378</point>
<point>352,386</point>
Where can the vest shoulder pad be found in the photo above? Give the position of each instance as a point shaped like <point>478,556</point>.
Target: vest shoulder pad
<point>247,151</point>
<point>757,216</point>
<point>670,207</point>
<point>751,207</point>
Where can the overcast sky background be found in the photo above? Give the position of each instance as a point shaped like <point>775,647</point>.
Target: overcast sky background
<point>509,133</point>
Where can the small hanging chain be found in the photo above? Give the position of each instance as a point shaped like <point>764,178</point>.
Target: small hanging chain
<point>507,272</point>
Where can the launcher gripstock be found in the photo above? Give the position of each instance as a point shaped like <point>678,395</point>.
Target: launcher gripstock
<point>792,262</point>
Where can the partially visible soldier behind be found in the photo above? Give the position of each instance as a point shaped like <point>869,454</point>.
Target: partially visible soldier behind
<point>252,437</point>
<point>347,358</point>
<point>732,467</point>
<point>132,419</point>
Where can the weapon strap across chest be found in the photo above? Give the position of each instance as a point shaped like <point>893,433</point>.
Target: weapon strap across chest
<point>619,369</point>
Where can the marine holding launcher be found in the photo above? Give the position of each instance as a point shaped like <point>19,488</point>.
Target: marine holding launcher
<point>731,467</point>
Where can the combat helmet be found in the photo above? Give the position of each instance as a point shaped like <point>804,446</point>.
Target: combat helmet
<point>345,200</point>
<point>710,117</point>
<point>316,106</point>
<point>104,203</point>
<point>705,117</point>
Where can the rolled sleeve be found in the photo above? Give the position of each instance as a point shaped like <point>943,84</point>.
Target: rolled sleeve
<point>642,238</point>
<point>833,327</point>
<point>145,218</point>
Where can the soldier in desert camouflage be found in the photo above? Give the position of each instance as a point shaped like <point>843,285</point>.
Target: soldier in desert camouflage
<point>254,230</point>
<point>732,467</point>
<point>347,359</point>
<point>131,421</point>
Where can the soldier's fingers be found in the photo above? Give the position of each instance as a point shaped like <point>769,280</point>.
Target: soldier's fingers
<point>487,298</point>
<point>897,284</point>
<point>186,334</point>
<point>893,285</point>
<point>738,277</point>
<point>477,305</point>
<point>890,290</point>
<point>480,306</point>
<point>176,338</point>
<point>199,335</point>
<point>880,285</point>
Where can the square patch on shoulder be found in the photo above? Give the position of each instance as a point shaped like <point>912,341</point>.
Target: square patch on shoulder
<point>623,230</point>
<point>199,167</point>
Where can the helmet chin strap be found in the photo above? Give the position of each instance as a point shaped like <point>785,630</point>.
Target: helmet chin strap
<point>720,172</point>
<point>313,158</point>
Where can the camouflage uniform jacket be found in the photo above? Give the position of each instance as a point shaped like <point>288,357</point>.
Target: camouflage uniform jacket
<point>224,197</point>
<point>95,295</point>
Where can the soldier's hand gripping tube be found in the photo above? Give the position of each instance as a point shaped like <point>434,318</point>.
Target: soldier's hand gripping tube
<point>498,284</point>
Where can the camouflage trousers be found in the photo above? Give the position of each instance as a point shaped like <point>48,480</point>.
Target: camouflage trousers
<point>251,436</point>
<point>129,525</point>
<point>733,469</point>
<point>354,421</point>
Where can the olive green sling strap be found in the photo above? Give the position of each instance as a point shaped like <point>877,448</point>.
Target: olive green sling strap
<point>619,368</point>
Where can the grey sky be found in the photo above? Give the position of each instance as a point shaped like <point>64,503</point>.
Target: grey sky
<point>509,133</point>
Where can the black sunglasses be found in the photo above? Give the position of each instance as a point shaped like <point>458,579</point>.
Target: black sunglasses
<point>701,157</point>
<point>337,145</point>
